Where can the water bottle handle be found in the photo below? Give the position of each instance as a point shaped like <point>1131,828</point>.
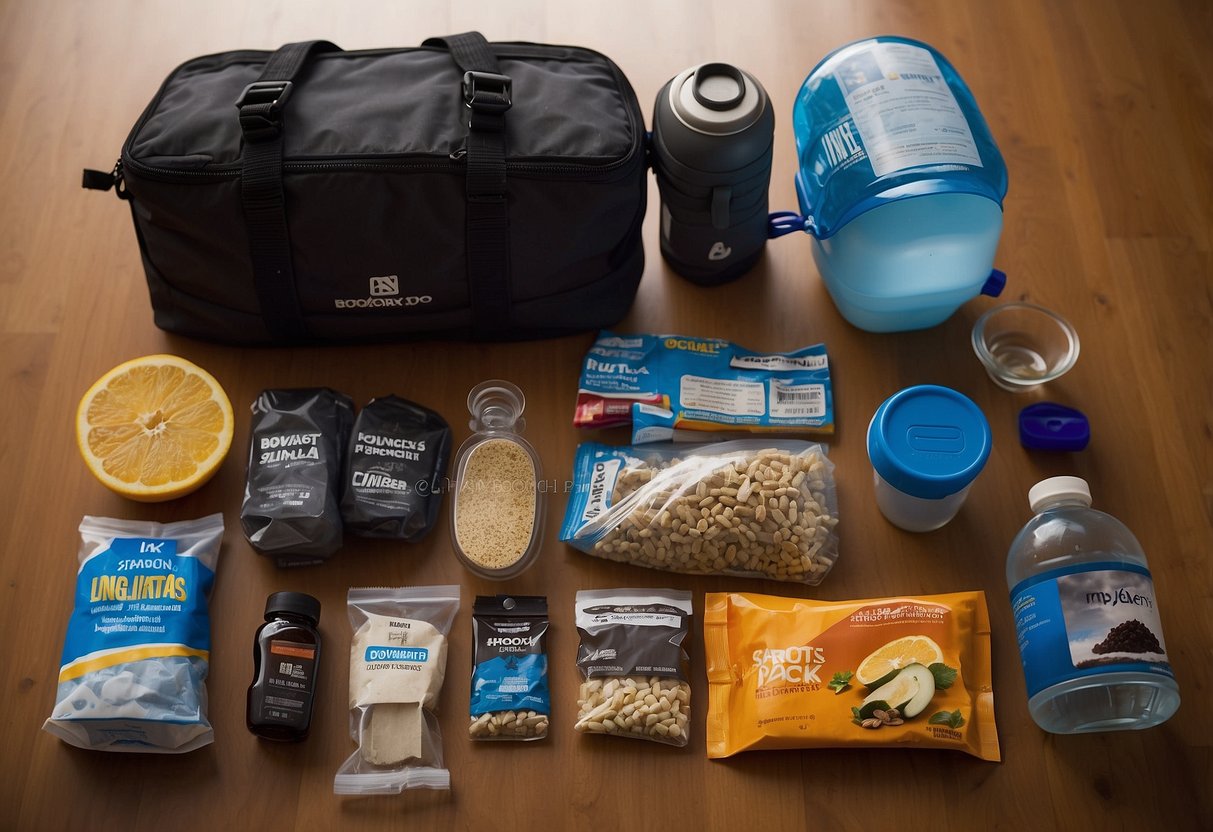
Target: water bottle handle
<point>785,222</point>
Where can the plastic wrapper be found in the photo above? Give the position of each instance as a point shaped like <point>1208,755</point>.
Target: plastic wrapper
<point>510,698</point>
<point>137,650</point>
<point>394,467</point>
<point>676,388</point>
<point>397,665</point>
<point>754,508</point>
<point>903,672</point>
<point>291,509</point>
<point>635,671</point>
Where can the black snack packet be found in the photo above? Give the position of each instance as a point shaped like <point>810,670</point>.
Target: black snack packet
<point>397,458</point>
<point>510,698</point>
<point>291,509</point>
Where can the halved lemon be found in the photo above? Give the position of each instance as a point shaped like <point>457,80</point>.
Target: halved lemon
<point>154,428</point>
<point>884,662</point>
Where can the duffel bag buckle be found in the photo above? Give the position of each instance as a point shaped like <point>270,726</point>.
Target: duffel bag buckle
<point>487,95</point>
<point>260,106</point>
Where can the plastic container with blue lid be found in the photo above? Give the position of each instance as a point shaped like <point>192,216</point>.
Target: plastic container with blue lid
<point>927,445</point>
<point>900,183</point>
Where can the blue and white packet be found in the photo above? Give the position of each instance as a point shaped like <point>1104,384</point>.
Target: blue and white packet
<point>510,696</point>
<point>137,650</point>
<point>673,387</point>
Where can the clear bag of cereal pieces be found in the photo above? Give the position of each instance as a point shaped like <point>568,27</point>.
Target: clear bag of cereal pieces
<point>753,508</point>
<point>635,671</point>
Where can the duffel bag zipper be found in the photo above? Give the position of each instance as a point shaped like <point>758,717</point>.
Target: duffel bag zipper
<point>452,162</point>
<point>98,180</point>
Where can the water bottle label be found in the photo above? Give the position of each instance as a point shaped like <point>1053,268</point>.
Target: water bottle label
<point>903,110</point>
<point>1085,620</point>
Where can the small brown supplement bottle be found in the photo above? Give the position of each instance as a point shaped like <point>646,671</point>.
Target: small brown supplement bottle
<point>286,656</point>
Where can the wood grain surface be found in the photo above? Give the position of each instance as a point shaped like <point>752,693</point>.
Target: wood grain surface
<point>1103,112</point>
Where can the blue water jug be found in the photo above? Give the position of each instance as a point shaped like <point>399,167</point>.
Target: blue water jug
<point>900,184</point>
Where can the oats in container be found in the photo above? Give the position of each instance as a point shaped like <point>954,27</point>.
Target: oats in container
<point>497,517</point>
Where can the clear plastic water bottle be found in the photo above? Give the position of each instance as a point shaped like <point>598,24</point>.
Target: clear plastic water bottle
<point>1086,618</point>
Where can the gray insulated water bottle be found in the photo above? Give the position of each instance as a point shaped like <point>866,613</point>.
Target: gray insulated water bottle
<point>713,131</point>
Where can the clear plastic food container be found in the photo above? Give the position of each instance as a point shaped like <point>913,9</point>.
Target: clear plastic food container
<point>497,512</point>
<point>927,444</point>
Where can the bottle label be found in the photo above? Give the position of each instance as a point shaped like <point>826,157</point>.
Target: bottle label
<point>289,682</point>
<point>1085,620</point>
<point>904,111</point>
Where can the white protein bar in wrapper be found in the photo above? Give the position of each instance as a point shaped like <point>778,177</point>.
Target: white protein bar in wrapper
<point>397,664</point>
<point>137,650</point>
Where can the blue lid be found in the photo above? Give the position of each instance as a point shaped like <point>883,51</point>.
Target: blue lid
<point>1047,426</point>
<point>928,441</point>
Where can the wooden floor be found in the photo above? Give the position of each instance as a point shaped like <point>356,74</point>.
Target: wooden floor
<point>1104,112</point>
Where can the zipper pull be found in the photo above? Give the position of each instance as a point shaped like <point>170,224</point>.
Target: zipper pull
<point>96,180</point>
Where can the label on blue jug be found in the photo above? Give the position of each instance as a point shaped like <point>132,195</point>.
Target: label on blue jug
<point>903,109</point>
<point>1085,620</point>
<point>884,119</point>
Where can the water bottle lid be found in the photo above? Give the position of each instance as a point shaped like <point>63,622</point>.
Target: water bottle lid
<point>298,603</point>
<point>1055,489</point>
<point>716,98</point>
<point>928,441</point>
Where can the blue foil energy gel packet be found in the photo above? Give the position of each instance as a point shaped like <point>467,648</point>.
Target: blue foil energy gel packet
<point>137,650</point>
<point>672,387</point>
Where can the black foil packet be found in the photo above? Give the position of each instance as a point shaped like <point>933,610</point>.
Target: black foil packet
<point>291,509</point>
<point>394,467</point>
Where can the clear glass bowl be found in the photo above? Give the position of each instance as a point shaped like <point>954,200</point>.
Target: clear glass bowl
<point>1023,345</point>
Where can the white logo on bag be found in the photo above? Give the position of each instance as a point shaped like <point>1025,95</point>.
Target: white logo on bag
<point>384,293</point>
<point>719,251</point>
<point>386,285</point>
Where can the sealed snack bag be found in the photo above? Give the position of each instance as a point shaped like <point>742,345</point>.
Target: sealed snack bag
<point>397,664</point>
<point>291,510</point>
<point>137,651</point>
<point>635,669</point>
<point>910,672</point>
<point>394,467</point>
<point>510,698</point>
<point>671,387</point>
<point>753,508</point>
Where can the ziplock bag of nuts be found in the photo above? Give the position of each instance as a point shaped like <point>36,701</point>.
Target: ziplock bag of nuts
<point>397,664</point>
<point>137,650</point>
<point>635,670</point>
<point>754,508</point>
<point>907,672</point>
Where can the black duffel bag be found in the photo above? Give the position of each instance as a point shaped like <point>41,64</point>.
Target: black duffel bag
<point>459,189</point>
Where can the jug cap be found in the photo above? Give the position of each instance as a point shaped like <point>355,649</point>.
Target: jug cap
<point>716,98</point>
<point>928,441</point>
<point>1048,426</point>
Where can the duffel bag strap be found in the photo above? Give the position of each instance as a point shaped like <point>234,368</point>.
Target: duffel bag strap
<point>486,97</point>
<point>260,107</point>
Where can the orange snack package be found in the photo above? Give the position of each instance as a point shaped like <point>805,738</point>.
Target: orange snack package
<point>910,672</point>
